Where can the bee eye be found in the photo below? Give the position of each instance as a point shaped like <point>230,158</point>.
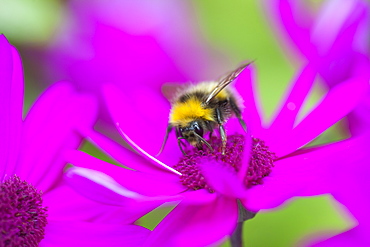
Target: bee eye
<point>198,130</point>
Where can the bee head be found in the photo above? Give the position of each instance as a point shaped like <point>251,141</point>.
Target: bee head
<point>193,133</point>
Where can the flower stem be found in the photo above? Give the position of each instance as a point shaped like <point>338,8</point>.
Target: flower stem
<point>236,238</point>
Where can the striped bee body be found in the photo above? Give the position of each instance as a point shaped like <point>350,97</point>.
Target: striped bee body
<point>201,108</point>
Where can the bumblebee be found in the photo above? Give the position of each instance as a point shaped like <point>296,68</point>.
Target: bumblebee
<point>200,109</point>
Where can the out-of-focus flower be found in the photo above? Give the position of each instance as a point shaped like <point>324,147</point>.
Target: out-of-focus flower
<point>132,44</point>
<point>335,40</point>
<point>348,182</point>
<point>330,39</point>
<point>32,161</point>
<point>262,172</point>
<point>129,43</point>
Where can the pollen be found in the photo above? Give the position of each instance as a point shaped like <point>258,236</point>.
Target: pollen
<point>260,164</point>
<point>22,216</point>
<point>182,113</point>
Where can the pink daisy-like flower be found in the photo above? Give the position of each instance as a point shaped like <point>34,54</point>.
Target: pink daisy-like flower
<point>348,181</point>
<point>330,39</point>
<point>335,40</point>
<point>128,43</point>
<point>132,44</point>
<point>261,169</point>
<point>35,204</point>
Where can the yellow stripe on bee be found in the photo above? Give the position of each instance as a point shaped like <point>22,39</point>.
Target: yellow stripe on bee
<point>183,113</point>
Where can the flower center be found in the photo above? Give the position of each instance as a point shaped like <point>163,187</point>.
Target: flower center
<point>260,163</point>
<point>22,217</point>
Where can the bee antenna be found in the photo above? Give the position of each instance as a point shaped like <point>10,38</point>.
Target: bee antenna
<point>168,130</point>
<point>204,141</point>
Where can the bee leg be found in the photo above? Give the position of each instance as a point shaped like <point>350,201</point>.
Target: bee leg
<point>202,140</point>
<point>178,135</point>
<point>222,130</point>
<point>238,113</point>
<point>180,144</point>
<point>223,138</point>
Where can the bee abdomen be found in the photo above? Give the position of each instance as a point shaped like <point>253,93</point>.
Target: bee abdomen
<point>197,95</point>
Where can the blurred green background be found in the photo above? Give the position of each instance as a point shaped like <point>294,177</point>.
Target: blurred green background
<point>239,30</point>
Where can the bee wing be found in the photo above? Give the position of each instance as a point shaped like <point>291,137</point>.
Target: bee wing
<point>224,82</point>
<point>172,90</point>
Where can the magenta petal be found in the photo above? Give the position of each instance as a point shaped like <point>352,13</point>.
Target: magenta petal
<point>338,103</point>
<point>135,34</point>
<point>202,196</point>
<point>359,119</point>
<point>297,22</point>
<point>52,126</point>
<point>283,124</point>
<point>222,179</point>
<point>6,104</point>
<point>77,234</point>
<point>352,171</point>
<point>353,174</point>
<point>246,86</point>
<point>246,157</point>
<point>300,88</point>
<point>34,125</point>
<point>148,156</point>
<point>142,183</point>
<point>123,155</point>
<point>80,114</point>
<point>65,204</point>
<point>16,108</point>
<point>199,225</point>
<point>317,171</point>
<point>335,27</point>
<point>99,187</point>
<point>151,123</point>
<point>306,174</point>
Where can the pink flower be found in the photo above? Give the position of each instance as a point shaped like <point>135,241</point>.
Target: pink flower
<point>32,160</point>
<point>335,40</point>
<point>330,38</point>
<point>129,43</point>
<point>132,44</point>
<point>348,182</point>
<point>207,211</point>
